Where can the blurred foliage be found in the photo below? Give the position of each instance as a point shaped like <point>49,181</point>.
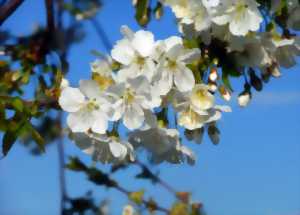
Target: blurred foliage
<point>183,205</point>
<point>32,67</point>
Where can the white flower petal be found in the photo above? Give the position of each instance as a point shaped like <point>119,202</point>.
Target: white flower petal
<point>117,149</point>
<point>143,42</point>
<point>165,84</point>
<point>184,79</point>
<point>189,55</point>
<point>133,116</point>
<point>80,121</point>
<point>89,88</point>
<point>71,99</point>
<point>127,32</point>
<point>221,20</point>
<point>173,41</point>
<point>123,52</point>
<point>100,123</point>
<point>84,142</point>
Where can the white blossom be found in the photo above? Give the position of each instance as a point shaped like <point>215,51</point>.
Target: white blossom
<point>192,12</point>
<point>103,148</point>
<point>134,52</point>
<point>128,210</point>
<point>172,67</point>
<point>103,72</point>
<point>130,99</point>
<point>163,144</point>
<point>197,108</point>
<point>242,15</point>
<point>87,107</point>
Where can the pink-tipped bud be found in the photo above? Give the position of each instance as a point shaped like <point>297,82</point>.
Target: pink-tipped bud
<point>225,93</point>
<point>212,86</point>
<point>213,75</point>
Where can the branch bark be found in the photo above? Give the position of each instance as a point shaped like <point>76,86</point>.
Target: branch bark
<point>50,16</point>
<point>49,103</point>
<point>8,9</point>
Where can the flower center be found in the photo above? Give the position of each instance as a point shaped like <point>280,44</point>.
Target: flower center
<point>92,105</point>
<point>172,65</point>
<point>128,96</point>
<point>200,94</point>
<point>140,61</point>
<point>240,9</point>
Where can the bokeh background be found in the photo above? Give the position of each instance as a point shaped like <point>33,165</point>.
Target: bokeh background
<point>255,170</point>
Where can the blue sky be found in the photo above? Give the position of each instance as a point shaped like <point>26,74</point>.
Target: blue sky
<point>255,170</point>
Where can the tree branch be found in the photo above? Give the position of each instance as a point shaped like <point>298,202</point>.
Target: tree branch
<point>148,204</point>
<point>50,16</point>
<point>61,167</point>
<point>155,178</point>
<point>41,103</point>
<point>8,9</point>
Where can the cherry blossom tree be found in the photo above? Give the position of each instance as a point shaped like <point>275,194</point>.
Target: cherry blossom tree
<point>140,86</point>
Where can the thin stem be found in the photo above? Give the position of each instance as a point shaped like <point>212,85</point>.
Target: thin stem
<point>50,16</point>
<point>156,178</point>
<point>145,202</point>
<point>102,34</point>
<point>41,103</point>
<point>8,9</point>
<point>61,167</point>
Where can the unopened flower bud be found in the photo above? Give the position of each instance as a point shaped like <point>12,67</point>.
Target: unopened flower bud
<point>265,75</point>
<point>212,86</point>
<point>134,2</point>
<point>255,81</point>
<point>225,93</point>
<point>215,61</point>
<point>244,99</point>
<point>128,210</point>
<point>213,133</point>
<point>275,71</point>
<point>158,10</point>
<point>213,75</point>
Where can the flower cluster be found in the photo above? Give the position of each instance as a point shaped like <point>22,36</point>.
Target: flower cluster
<point>241,16</point>
<point>256,36</point>
<point>138,86</point>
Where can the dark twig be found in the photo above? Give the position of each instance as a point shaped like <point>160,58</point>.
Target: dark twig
<point>8,9</point>
<point>49,103</point>
<point>148,204</point>
<point>60,144</point>
<point>61,167</point>
<point>156,178</point>
<point>50,16</point>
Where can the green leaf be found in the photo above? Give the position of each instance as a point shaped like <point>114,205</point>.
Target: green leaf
<point>11,135</point>
<point>76,165</point>
<point>100,178</point>
<point>38,139</point>
<point>17,103</point>
<point>8,141</point>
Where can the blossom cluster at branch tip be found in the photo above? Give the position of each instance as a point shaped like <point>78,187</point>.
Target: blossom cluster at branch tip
<point>144,81</point>
<point>239,24</point>
<point>136,87</point>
